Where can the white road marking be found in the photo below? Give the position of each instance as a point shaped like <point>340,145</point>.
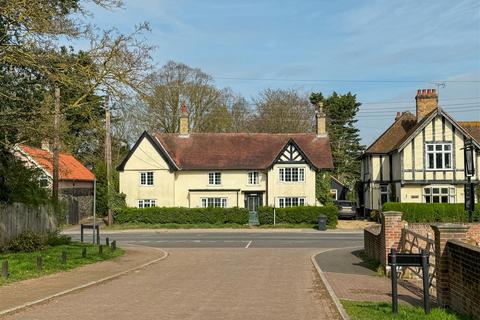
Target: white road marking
<point>248,244</point>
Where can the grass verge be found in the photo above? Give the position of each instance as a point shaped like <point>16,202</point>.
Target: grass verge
<point>23,265</point>
<point>383,311</point>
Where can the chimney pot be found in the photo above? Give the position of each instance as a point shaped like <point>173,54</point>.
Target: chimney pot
<point>419,92</point>
<point>424,91</point>
<point>399,114</point>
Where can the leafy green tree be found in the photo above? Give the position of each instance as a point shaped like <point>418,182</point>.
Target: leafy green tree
<point>341,111</point>
<point>322,187</point>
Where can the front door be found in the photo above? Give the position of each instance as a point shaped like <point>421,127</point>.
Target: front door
<point>253,202</point>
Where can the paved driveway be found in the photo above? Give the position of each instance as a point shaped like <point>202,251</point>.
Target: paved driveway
<point>196,283</point>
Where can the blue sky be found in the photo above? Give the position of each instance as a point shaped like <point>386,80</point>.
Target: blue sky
<point>291,41</point>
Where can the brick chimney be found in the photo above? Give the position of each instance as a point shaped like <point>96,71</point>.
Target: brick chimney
<point>321,127</point>
<point>184,130</point>
<point>427,101</point>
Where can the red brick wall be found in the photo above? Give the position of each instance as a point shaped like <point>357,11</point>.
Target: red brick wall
<point>464,277</point>
<point>372,241</point>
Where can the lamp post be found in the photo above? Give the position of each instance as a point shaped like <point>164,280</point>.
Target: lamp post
<point>469,165</point>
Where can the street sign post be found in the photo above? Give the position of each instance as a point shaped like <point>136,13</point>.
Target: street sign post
<point>469,165</point>
<point>409,260</point>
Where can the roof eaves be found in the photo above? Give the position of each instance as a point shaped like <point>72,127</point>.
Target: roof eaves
<point>26,155</point>
<point>404,114</point>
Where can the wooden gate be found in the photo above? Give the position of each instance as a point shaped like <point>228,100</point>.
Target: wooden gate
<point>413,242</point>
<point>73,212</point>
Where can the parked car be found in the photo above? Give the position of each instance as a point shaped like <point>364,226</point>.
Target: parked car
<point>346,209</point>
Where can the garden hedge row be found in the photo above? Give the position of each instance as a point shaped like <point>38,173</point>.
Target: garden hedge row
<point>159,215</point>
<point>301,214</point>
<point>432,212</point>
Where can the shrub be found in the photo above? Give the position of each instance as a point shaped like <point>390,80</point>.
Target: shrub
<point>28,241</point>
<point>300,214</point>
<point>54,238</point>
<point>180,215</point>
<point>431,212</point>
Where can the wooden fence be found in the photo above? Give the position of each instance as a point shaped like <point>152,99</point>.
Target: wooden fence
<point>18,217</point>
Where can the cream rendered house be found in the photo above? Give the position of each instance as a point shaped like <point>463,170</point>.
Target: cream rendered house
<point>419,158</point>
<point>224,169</point>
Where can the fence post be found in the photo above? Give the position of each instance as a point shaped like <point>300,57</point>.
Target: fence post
<point>5,269</point>
<point>100,249</point>
<point>107,241</point>
<point>114,245</point>
<point>39,264</point>
<point>98,234</point>
<point>64,257</point>
<point>81,232</point>
<point>393,276</point>
<point>84,252</point>
<point>426,284</point>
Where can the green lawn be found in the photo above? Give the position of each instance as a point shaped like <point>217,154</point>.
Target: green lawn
<point>383,311</point>
<point>24,265</point>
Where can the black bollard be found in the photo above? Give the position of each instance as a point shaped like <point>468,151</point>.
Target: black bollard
<point>426,279</point>
<point>393,275</point>
<point>107,241</point>
<point>100,249</point>
<point>84,252</point>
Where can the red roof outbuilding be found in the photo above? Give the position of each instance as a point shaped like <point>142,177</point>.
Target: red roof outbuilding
<point>69,167</point>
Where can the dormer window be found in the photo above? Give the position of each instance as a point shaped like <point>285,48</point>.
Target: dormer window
<point>439,156</point>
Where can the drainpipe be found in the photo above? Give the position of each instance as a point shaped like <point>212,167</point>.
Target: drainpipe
<point>94,206</point>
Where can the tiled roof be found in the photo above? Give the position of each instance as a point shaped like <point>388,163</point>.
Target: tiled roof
<point>393,136</point>
<point>69,167</point>
<point>230,151</point>
<point>472,127</point>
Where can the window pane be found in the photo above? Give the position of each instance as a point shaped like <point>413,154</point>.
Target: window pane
<point>452,199</point>
<point>428,199</point>
<point>444,199</point>
<point>435,190</point>
<point>143,178</point>
<point>430,147</point>
<point>448,160</point>
<point>444,190</point>
<point>301,201</point>
<point>150,178</point>
<point>281,202</point>
<point>439,160</point>
<point>436,199</point>
<point>447,147</point>
<point>426,190</point>
<point>140,203</point>
<point>301,174</point>
<point>438,147</point>
<point>452,191</point>
<point>430,161</point>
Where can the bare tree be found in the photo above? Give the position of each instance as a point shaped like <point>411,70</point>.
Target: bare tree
<point>283,111</point>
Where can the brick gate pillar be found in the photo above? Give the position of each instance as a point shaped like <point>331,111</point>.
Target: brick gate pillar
<point>391,233</point>
<point>443,233</point>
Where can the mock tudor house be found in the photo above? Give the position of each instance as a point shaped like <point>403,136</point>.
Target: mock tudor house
<point>420,157</point>
<point>224,169</point>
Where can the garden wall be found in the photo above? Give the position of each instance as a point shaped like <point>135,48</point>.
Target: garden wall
<point>464,277</point>
<point>18,217</point>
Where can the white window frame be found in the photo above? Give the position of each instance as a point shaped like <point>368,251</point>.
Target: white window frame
<point>384,192</point>
<point>214,178</point>
<point>285,202</point>
<point>291,174</point>
<point>146,203</point>
<point>146,178</point>
<point>334,192</point>
<point>442,153</point>
<point>215,202</point>
<point>253,178</point>
<point>432,191</point>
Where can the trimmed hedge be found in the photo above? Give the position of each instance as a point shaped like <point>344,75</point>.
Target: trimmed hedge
<point>432,212</point>
<point>180,215</point>
<point>300,214</point>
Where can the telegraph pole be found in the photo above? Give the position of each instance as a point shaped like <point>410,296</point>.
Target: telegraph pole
<point>108,157</point>
<point>56,145</point>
